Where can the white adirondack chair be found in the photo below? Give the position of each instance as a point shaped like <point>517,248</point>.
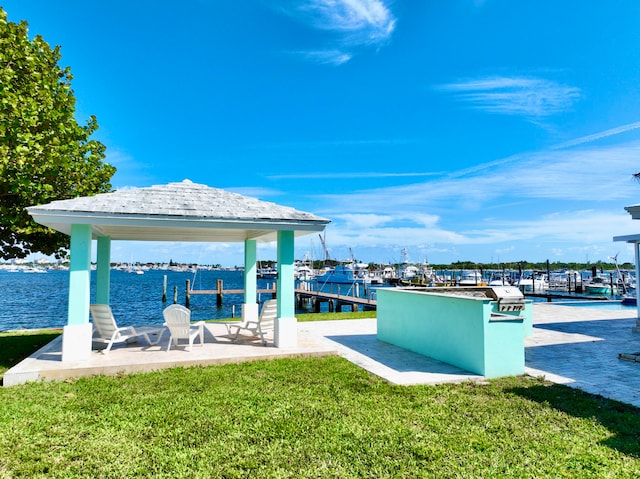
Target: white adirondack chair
<point>264,323</point>
<point>105,329</point>
<point>178,320</point>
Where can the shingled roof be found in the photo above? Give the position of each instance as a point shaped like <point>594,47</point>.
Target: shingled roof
<point>183,211</point>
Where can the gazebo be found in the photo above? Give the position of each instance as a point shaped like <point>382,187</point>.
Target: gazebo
<point>185,212</point>
<point>634,211</point>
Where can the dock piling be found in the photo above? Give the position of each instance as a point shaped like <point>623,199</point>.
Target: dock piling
<point>164,289</point>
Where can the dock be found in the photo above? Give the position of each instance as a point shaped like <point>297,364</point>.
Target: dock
<point>335,300</point>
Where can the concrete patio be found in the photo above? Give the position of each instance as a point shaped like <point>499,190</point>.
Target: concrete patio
<point>575,346</point>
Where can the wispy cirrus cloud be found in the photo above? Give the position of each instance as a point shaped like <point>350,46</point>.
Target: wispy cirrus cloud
<point>354,24</point>
<point>532,98</point>
<point>327,57</point>
<point>597,136</point>
<point>362,174</point>
<point>363,21</point>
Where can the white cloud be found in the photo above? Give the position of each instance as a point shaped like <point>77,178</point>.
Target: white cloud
<point>532,98</point>
<point>581,175</point>
<point>329,57</point>
<point>366,21</point>
<point>365,220</point>
<point>255,191</point>
<point>360,174</point>
<point>597,136</point>
<point>353,23</point>
<point>526,206</point>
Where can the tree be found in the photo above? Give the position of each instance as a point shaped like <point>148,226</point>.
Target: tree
<point>45,155</point>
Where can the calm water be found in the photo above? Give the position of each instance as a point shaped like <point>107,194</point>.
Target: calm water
<point>32,300</point>
<point>40,300</point>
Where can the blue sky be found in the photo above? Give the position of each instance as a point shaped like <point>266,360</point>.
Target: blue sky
<point>481,130</point>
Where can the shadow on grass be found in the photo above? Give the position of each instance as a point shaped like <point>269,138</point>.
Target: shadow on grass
<point>622,420</point>
<point>16,347</point>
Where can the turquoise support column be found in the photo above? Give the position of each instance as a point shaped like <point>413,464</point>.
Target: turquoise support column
<point>250,306</point>
<point>286,328</point>
<point>103,270</point>
<point>79,274</point>
<point>285,282</point>
<point>76,338</point>
<point>636,249</point>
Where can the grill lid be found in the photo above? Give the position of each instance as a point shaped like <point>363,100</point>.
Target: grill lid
<point>508,297</point>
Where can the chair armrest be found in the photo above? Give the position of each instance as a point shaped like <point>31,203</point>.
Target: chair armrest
<point>121,331</point>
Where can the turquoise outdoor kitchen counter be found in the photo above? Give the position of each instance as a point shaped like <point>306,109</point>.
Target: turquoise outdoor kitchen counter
<point>459,326</point>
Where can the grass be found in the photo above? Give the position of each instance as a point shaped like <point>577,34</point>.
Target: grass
<point>14,347</point>
<point>335,316</point>
<point>318,316</point>
<point>311,417</point>
<point>306,317</point>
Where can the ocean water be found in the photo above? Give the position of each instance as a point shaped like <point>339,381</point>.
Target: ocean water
<point>32,300</point>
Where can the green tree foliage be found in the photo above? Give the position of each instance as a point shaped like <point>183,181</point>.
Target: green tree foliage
<point>45,154</point>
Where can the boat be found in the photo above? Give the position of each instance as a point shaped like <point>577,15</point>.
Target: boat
<point>565,280</point>
<point>471,278</point>
<point>303,270</point>
<point>267,273</point>
<point>348,273</point>
<point>499,279</point>
<point>600,285</point>
<point>533,283</point>
<point>629,299</point>
<point>33,269</point>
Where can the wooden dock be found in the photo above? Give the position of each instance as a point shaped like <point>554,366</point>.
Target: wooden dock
<point>336,300</point>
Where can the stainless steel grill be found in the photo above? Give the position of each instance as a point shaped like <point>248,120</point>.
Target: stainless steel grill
<point>509,298</point>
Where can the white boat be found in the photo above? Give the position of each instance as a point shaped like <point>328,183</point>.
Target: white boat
<point>33,269</point>
<point>533,283</point>
<point>471,278</point>
<point>267,273</point>
<point>303,273</point>
<point>499,279</point>
<point>303,270</point>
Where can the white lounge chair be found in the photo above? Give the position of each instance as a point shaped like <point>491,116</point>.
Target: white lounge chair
<point>105,329</point>
<point>178,320</point>
<point>258,328</point>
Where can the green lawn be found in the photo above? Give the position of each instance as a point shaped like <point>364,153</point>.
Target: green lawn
<point>313,417</point>
<point>14,347</point>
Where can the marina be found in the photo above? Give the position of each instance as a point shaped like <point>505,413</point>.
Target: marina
<point>34,301</point>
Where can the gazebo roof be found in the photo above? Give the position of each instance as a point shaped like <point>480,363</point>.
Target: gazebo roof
<point>634,211</point>
<point>182,211</point>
